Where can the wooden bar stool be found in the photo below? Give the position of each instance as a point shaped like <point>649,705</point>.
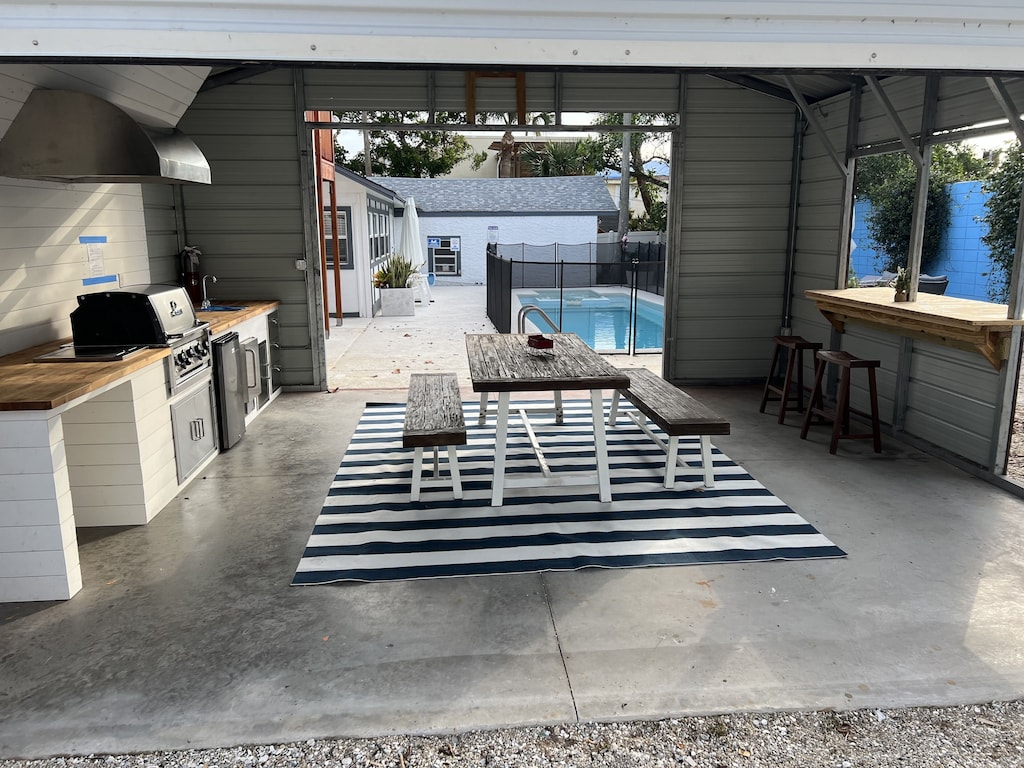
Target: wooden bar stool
<point>794,346</point>
<point>840,417</point>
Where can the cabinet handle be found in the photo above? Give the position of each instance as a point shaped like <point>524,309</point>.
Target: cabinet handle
<point>197,429</point>
<point>250,373</point>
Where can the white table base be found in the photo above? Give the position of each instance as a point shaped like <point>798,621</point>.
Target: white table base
<point>601,477</point>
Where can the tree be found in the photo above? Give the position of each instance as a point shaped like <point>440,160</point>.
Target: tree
<point>643,147</point>
<point>413,154</point>
<point>656,219</point>
<point>1002,209</point>
<point>889,181</point>
<point>591,155</point>
<point>582,157</point>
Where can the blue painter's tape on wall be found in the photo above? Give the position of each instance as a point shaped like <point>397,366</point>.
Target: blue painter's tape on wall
<point>100,279</point>
<point>84,239</point>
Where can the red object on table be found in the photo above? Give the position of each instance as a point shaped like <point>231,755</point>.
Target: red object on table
<point>539,342</point>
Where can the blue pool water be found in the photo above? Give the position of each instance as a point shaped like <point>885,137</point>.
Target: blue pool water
<point>601,320</point>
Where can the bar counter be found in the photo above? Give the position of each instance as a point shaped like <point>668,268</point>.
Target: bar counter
<point>976,326</point>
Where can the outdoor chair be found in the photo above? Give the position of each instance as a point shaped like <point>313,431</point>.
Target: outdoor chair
<point>421,287</point>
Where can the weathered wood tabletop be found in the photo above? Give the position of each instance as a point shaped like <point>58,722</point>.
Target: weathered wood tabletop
<point>503,362</point>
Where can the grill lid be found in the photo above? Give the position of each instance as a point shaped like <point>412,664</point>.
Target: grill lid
<point>144,314</point>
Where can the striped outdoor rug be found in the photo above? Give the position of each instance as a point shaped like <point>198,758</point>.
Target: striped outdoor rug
<point>368,530</point>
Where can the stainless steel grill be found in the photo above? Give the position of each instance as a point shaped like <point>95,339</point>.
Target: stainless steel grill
<point>113,325</point>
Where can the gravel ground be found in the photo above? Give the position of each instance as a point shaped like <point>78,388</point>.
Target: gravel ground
<point>983,735</point>
<point>1015,460</point>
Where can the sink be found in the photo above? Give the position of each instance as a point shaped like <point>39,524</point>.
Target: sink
<point>220,308</point>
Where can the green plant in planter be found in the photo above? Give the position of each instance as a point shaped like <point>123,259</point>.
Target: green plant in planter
<point>395,273</point>
<point>382,277</point>
<point>901,283</point>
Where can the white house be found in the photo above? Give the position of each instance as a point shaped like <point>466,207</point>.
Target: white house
<point>366,231</point>
<point>458,217</point>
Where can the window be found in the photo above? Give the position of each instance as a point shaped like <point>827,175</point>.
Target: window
<point>379,216</point>
<point>444,255</point>
<point>344,238</point>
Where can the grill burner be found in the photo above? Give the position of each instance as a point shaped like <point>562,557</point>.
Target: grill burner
<point>190,356</point>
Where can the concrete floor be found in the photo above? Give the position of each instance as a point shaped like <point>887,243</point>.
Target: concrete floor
<point>188,634</point>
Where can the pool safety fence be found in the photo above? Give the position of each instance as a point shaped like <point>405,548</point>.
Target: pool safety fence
<point>639,267</point>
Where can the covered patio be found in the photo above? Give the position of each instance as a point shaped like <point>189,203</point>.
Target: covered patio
<point>187,632</point>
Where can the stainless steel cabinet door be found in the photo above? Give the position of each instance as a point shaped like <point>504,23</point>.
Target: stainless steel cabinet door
<point>195,430</point>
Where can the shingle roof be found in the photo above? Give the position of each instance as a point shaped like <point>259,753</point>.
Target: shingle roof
<point>548,195</point>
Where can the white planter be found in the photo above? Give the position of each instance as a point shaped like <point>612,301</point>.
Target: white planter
<point>397,302</point>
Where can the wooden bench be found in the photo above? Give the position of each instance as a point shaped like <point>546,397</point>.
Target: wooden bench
<point>677,413</point>
<point>433,419</point>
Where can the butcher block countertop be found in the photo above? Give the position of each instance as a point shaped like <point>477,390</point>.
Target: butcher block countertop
<point>224,321</point>
<point>29,386</point>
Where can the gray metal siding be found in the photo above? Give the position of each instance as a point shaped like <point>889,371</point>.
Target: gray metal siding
<point>395,89</point>
<point>730,268</point>
<point>820,212</point>
<point>952,400</point>
<point>161,233</point>
<point>962,101</point>
<point>819,220</point>
<point>249,222</point>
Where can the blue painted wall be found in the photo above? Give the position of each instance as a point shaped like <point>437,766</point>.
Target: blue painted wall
<point>964,259</point>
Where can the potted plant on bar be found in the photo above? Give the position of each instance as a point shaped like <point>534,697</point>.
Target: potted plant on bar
<point>901,284</point>
<point>396,298</point>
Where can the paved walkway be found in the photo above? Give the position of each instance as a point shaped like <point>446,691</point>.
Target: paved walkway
<point>380,353</point>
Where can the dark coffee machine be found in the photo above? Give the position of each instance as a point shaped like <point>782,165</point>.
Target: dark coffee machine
<point>191,279</point>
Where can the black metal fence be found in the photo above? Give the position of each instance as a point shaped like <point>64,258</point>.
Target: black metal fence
<point>637,266</point>
<point>499,292</point>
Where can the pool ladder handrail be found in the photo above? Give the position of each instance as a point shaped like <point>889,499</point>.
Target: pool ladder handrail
<point>527,309</point>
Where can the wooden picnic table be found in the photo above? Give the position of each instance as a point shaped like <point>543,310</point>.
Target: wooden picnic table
<point>505,363</point>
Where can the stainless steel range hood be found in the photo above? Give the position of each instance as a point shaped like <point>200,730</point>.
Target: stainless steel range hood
<point>77,137</point>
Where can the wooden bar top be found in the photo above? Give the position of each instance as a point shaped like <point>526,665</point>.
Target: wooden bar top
<point>29,386</point>
<point>502,362</point>
<point>963,323</point>
<point>221,321</point>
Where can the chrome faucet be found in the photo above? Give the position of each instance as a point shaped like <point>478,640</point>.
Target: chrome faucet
<point>206,300</point>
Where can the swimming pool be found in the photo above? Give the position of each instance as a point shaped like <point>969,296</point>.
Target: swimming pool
<point>600,318</point>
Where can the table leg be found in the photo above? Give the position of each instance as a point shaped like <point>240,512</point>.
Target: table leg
<point>417,473</point>
<point>613,414</point>
<point>500,449</point>
<point>604,483</point>
<point>707,461</point>
<point>671,459</point>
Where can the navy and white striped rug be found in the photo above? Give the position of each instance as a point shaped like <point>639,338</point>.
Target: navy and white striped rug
<point>368,530</point>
